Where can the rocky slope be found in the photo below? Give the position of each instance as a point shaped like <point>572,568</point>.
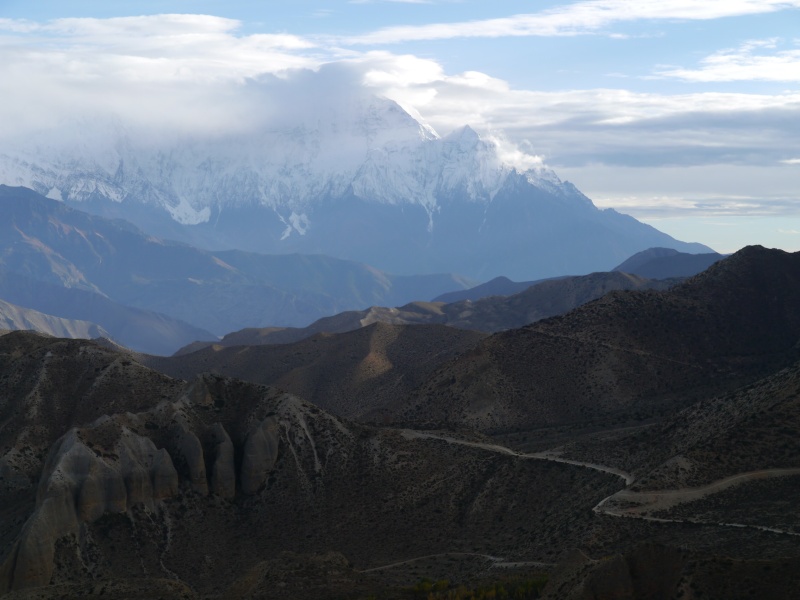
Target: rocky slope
<point>115,475</point>
<point>627,355</point>
<point>14,317</point>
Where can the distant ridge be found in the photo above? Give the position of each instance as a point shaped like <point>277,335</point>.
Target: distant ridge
<point>663,263</point>
<point>493,313</point>
<point>47,242</point>
<point>14,317</point>
<point>499,286</point>
<point>134,328</point>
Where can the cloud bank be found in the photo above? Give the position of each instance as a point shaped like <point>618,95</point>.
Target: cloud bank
<point>199,75</point>
<point>591,16</point>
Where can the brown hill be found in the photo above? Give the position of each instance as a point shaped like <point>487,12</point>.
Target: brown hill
<point>628,356</point>
<point>354,374</point>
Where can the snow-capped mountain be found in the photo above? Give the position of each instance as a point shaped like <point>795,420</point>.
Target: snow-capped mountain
<point>362,180</point>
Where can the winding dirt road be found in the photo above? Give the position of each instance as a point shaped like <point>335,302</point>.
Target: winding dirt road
<point>547,455</point>
<point>627,503</point>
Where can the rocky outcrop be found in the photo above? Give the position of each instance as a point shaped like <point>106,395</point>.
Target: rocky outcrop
<point>260,455</point>
<point>221,456</point>
<point>164,475</point>
<point>190,458</point>
<point>79,485</point>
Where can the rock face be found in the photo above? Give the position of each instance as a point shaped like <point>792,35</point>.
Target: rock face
<point>107,468</point>
<point>223,469</point>
<point>190,458</point>
<point>165,477</point>
<point>79,485</point>
<point>117,464</point>
<point>260,454</point>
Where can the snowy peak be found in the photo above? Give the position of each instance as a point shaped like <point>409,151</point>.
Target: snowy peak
<point>466,137</point>
<point>301,158</point>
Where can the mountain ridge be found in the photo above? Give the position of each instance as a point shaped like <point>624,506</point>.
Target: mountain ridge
<point>49,242</point>
<point>491,314</point>
<point>356,181</point>
<point>626,353</point>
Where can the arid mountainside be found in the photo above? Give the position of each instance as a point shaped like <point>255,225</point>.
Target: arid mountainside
<point>643,445</point>
<point>116,475</point>
<point>120,482</point>
<point>663,572</point>
<point>628,356</point>
<point>14,317</point>
<point>496,313</point>
<point>357,374</point>
<point>751,428</point>
<point>48,242</point>
<point>142,330</point>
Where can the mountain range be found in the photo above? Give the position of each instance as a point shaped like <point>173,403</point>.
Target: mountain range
<point>641,445</point>
<point>361,180</point>
<point>489,314</point>
<point>68,254</point>
<point>614,417</point>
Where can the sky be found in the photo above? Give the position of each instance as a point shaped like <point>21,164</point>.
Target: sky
<point>682,113</point>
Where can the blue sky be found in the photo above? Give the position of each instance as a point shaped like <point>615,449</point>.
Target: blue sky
<point>684,113</point>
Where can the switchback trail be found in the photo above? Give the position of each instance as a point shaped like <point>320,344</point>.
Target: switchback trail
<point>548,455</point>
<point>636,505</point>
<point>496,561</point>
<point>639,505</point>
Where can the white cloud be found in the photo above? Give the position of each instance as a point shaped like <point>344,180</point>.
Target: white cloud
<point>695,191</point>
<point>588,16</point>
<point>165,71</point>
<point>748,62</point>
<point>200,75</point>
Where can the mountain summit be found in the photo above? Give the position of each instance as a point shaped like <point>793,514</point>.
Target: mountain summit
<point>361,180</point>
